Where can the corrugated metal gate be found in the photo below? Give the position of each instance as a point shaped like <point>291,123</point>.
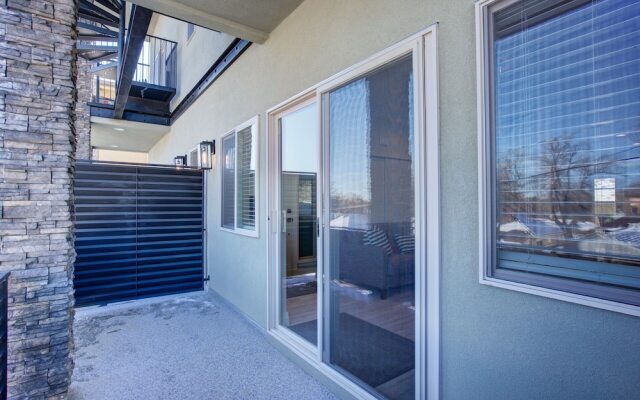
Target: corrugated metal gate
<point>139,231</point>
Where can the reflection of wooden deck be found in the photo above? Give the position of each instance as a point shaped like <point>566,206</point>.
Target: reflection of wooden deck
<point>394,313</point>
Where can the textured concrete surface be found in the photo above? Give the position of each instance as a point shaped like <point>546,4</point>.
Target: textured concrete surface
<point>181,347</point>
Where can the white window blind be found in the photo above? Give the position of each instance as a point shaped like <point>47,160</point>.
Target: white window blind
<point>228,181</point>
<point>239,169</point>
<point>566,150</point>
<point>246,181</point>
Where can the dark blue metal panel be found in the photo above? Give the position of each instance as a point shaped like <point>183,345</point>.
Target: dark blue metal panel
<point>139,231</point>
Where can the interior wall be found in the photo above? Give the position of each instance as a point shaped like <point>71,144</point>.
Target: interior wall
<point>120,156</point>
<point>496,343</point>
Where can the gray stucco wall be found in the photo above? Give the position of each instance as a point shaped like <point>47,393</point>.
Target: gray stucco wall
<point>496,344</point>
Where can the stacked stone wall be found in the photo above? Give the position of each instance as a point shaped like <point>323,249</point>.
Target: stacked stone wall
<point>37,145</point>
<point>83,111</point>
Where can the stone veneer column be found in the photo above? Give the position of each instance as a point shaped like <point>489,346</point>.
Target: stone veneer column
<point>83,111</point>
<point>37,144</point>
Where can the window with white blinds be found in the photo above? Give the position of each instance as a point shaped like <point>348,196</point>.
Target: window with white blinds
<point>246,181</point>
<point>565,145</point>
<point>239,171</point>
<point>228,181</point>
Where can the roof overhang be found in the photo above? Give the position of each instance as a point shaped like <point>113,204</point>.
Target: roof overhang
<point>252,20</point>
<point>117,134</point>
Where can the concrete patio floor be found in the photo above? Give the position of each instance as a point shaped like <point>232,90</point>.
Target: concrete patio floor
<point>181,347</point>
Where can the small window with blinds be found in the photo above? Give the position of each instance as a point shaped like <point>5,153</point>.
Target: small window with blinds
<point>562,145</point>
<point>239,172</point>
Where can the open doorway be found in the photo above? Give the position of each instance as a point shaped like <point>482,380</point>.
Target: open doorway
<point>298,133</point>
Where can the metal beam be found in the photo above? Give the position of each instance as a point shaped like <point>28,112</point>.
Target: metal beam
<point>227,58</point>
<point>88,15</point>
<point>103,67</point>
<point>85,47</point>
<point>97,29</point>
<point>97,38</point>
<point>201,18</point>
<point>110,5</point>
<point>138,26</point>
<point>84,4</point>
<point>121,35</point>
<point>104,112</point>
<point>109,56</point>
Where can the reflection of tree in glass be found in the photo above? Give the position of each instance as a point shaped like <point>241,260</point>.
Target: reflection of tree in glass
<point>560,191</point>
<point>567,172</point>
<point>511,182</point>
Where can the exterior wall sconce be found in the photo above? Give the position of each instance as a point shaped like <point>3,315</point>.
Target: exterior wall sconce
<point>205,152</point>
<point>180,161</point>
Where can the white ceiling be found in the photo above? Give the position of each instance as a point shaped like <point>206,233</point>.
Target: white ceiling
<point>113,134</point>
<point>247,19</point>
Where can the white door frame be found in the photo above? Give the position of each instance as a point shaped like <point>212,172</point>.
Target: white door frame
<point>423,47</point>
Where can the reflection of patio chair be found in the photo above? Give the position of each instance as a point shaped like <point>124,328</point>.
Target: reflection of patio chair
<point>373,267</point>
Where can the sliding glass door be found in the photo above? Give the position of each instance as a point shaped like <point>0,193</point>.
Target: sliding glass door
<point>369,305</point>
<point>299,154</point>
<point>354,217</point>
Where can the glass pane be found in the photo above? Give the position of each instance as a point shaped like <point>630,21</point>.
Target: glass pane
<point>228,181</point>
<point>299,158</point>
<point>247,159</point>
<point>567,146</point>
<point>370,318</point>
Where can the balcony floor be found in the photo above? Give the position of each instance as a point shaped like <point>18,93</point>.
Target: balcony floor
<point>181,347</point>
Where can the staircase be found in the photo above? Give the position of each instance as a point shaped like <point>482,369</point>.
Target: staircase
<point>124,85</point>
<point>99,30</point>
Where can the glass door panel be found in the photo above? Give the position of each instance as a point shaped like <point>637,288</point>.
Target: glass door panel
<point>298,207</point>
<point>369,311</point>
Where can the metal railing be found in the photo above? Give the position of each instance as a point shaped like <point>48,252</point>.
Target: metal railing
<point>158,62</point>
<point>157,65</point>
<point>103,90</point>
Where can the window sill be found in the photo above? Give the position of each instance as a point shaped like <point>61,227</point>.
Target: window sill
<point>563,296</point>
<point>242,232</point>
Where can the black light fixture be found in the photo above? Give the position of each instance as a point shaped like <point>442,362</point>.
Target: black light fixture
<point>180,161</point>
<point>205,151</point>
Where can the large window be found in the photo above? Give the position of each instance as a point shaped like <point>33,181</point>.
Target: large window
<point>562,145</point>
<point>238,165</point>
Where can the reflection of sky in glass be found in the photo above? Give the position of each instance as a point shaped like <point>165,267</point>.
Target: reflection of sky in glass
<point>567,114</point>
<point>299,131</point>
<point>350,126</point>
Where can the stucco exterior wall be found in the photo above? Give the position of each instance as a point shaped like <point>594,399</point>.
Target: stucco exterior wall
<point>195,54</point>
<point>496,343</point>
<point>120,156</point>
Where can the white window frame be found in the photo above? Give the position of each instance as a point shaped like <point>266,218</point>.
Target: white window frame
<point>423,47</point>
<point>484,10</point>
<point>255,233</point>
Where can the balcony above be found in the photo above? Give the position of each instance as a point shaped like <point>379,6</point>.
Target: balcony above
<point>251,20</point>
